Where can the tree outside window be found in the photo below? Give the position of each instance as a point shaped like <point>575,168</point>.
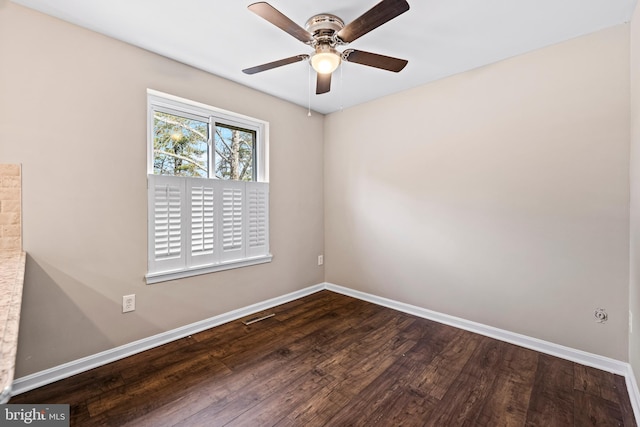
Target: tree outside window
<point>181,148</point>
<point>235,151</point>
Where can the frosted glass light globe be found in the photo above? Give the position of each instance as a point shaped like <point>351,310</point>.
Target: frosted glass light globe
<point>325,60</point>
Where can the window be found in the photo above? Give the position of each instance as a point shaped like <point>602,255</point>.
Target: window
<point>235,153</point>
<point>208,189</point>
<point>180,145</point>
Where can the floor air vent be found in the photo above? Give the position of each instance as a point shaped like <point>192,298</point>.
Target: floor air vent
<point>257,319</point>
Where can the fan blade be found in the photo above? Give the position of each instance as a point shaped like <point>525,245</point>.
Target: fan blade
<point>275,64</point>
<point>273,15</point>
<point>383,12</point>
<point>323,85</point>
<point>374,60</point>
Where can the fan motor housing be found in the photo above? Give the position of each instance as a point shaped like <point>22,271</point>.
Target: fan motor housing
<point>324,26</point>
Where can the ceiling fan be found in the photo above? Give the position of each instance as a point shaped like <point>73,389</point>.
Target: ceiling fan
<point>324,32</point>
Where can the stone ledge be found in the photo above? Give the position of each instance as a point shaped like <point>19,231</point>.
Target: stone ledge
<point>12,265</point>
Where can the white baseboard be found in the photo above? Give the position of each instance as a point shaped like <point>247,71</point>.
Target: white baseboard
<point>567,353</point>
<point>582,357</point>
<point>634,393</point>
<point>66,370</point>
<point>48,376</point>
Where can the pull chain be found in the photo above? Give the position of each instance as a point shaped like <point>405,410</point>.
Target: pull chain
<point>309,91</point>
<point>342,87</point>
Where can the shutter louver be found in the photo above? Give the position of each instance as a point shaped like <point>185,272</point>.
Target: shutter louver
<point>167,240</point>
<point>168,216</point>
<point>233,227</point>
<point>203,227</point>
<point>258,219</point>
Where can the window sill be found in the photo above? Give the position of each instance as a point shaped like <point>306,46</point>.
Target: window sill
<point>196,271</point>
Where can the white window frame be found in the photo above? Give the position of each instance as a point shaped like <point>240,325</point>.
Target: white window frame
<point>218,259</point>
<point>163,102</point>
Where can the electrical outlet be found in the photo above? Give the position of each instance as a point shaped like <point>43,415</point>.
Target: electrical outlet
<point>320,259</point>
<point>128,303</point>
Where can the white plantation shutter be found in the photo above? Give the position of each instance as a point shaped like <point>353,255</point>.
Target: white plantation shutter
<point>202,229</point>
<point>205,225</point>
<point>233,220</point>
<point>258,218</point>
<point>166,237</point>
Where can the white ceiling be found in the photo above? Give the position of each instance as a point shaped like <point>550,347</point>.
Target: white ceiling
<point>438,38</point>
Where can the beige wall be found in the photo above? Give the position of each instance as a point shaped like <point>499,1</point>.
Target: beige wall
<point>499,195</point>
<point>634,289</point>
<point>73,112</point>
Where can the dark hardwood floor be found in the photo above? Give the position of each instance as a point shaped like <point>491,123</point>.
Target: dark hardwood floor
<point>328,359</point>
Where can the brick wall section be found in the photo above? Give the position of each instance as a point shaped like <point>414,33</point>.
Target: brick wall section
<point>10,208</point>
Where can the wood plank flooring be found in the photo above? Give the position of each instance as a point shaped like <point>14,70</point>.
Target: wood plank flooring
<point>331,360</point>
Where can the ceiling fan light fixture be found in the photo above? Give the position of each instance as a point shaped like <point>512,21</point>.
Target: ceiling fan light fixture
<point>326,59</point>
<point>324,32</point>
